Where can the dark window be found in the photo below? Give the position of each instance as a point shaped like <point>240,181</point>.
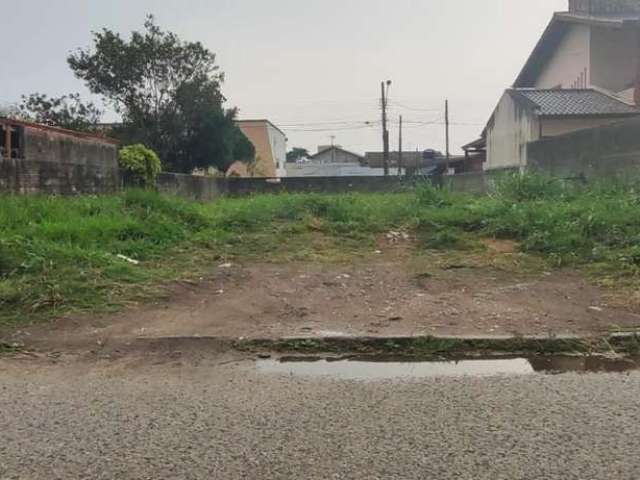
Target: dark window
<point>12,144</point>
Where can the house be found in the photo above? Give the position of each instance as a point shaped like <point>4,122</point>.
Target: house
<point>271,147</point>
<point>332,161</point>
<point>593,45</point>
<point>526,115</point>
<point>427,162</point>
<point>38,158</point>
<point>583,73</point>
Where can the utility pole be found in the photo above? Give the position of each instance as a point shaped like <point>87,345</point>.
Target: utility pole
<point>400,150</point>
<point>446,122</point>
<point>385,131</point>
<point>333,150</point>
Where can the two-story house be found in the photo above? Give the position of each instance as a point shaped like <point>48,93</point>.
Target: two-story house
<point>584,72</point>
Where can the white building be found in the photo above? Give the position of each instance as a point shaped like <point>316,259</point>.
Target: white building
<point>332,161</point>
<point>584,72</point>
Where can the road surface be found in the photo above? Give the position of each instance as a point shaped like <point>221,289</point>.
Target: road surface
<point>215,419</point>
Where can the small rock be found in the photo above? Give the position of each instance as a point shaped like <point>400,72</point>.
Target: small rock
<point>264,356</point>
<point>396,319</point>
<point>596,309</point>
<point>225,265</point>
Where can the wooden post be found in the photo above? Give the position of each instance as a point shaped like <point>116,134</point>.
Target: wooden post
<point>400,162</point>
<point>7,140</point>
<point>446,121</point>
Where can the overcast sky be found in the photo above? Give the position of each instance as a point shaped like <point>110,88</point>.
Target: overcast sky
<point>313,67</point>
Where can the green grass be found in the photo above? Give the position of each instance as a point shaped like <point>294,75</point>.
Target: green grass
<point>60,255</point>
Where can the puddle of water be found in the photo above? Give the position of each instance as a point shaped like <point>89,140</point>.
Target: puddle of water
<point>386,369</point>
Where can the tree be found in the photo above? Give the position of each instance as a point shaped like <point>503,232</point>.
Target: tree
<point>168,93</point>
<point>296,154</point>
<point>11,111</point>
<point>67,111</point>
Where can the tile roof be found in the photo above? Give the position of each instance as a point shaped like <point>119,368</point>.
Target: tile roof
<point>584,102</point>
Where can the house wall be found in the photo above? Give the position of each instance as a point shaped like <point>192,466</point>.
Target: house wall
<point>508,133</point>
<point>560,126</point>
<point>614,58</point>
<point>338,156</point>
<point>59,163</point>
<point>278,142</point>
<point>570,65</point>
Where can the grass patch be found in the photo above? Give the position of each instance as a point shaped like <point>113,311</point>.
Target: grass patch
<point>433,347</point>
<point>61,255</point>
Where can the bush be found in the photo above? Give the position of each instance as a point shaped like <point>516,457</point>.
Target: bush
<point>142,163</point>
<point>519,187</point>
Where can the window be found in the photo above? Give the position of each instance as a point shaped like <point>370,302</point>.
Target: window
<point>11,141</point>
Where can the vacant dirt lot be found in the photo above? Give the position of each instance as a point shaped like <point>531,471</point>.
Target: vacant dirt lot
<point>392,292</point>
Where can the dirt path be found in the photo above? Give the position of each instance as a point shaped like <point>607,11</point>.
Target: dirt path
<point>391,294</point>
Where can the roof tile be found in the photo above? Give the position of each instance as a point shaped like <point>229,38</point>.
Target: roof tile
<point>584,102</point>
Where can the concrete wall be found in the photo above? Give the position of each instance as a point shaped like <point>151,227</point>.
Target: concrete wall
<point>571,63</point>
<point>510,129</point>
<point>57,163</point>
<point>608,151</point>
<point>210,188</point>
<point>614,58</point>
<point>313,169</point>
<point>552,127</point>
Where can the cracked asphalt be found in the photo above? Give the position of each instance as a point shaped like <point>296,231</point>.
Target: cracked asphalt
<point>211,419</point>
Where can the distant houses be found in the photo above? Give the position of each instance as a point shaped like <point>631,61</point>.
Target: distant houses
<point>583,73</point>
<point>332,161</point>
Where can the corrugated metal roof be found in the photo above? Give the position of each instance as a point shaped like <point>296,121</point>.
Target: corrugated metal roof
<point>585,102</point>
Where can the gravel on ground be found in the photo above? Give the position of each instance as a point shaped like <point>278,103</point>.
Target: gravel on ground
<point>222,419</point>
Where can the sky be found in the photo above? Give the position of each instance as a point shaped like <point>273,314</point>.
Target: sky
<point>312,67</point>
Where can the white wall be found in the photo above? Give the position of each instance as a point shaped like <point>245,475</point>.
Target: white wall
<point>512,127</point>
<point>338,156</point>
<point>278,142</point>
<point>614,58</point>
<point>570,65</point>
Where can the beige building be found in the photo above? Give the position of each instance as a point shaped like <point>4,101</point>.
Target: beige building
<point>271,147</point>
<point>590,56</point>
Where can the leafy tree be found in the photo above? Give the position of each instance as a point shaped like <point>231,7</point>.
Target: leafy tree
<point>168,93</point>
<point>296,154</point>
<point>67,111</point>
<point>142,163</point>
<point>11,111</point>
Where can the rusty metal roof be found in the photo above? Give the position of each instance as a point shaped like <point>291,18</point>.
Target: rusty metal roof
<point>62,131</point>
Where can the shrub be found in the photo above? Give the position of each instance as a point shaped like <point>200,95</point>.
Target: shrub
<point>525,187</point>
<point>142,163</point>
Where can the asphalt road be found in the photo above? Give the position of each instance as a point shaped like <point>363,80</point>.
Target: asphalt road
<point>136,420</point>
